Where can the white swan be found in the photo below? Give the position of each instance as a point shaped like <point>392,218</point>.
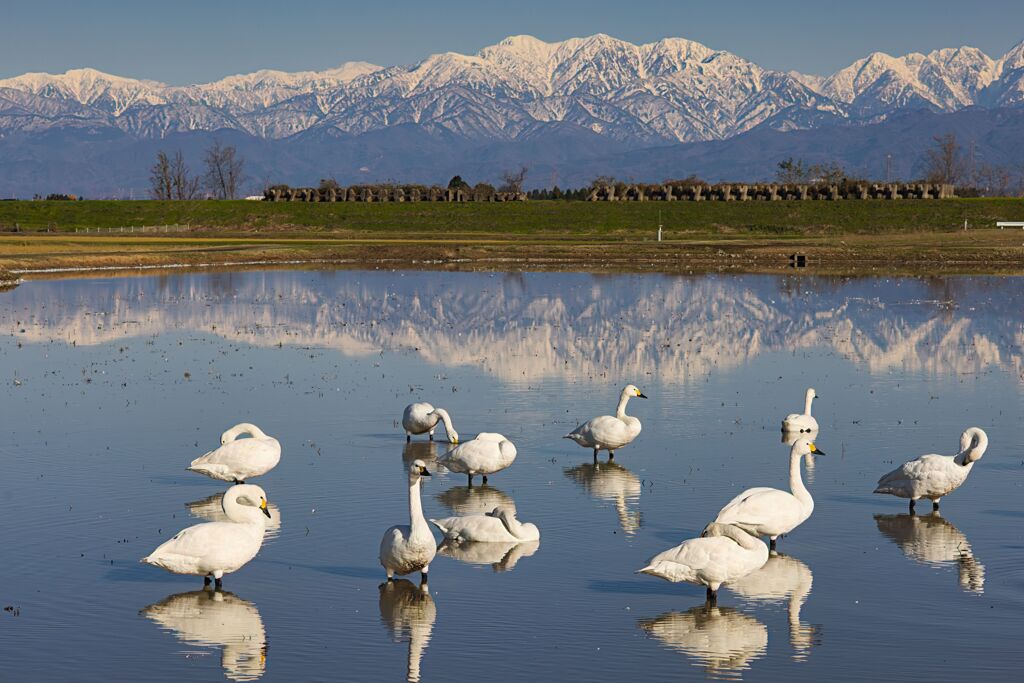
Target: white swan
<point>764,511</point>
<point>407,549</point>
<point>721,554</point>
<point>209,618</point>
<point>423,417</point>
<point>935,476</point>
<point>802,423</point>
<point>239,459</point>
<point>211,509</point>
<point>720,640</point>
<point>502,557</point>
<point>409,611</point>
<point>486,454</point>
<point>218,548</point>
<point>932,540</point>
<point>497,526</point>
<point>608,432</point>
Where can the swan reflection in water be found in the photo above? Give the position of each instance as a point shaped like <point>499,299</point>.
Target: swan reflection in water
<point>211,509</point>
<point>501,556</point>
<point>932,540</point>
<point>213,618</point>
<point>408,611</point>
<point>722,640</point>
<point>610,481</point>
<point>783,579</point>
<point>478,500</point>
<point>791,437</point>
<point>420,450</point>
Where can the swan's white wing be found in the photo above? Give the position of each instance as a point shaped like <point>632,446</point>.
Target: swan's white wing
<point>927,474</point>
<point>479,528</point>
<point>602,431</point>
<point>239,459</point>
<point>203,548</point>
<point>472,456</point>
<point>745,494</point>
<point>692,558</point>
<point>759,507</point>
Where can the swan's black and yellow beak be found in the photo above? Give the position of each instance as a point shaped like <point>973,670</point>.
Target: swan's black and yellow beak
<point>640,394</point>
<point>263,506</point>
<point>817,451</point>
<point>424,472</point>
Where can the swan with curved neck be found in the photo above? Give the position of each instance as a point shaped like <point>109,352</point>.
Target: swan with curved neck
<point>405,549</point>
<point>610,432</point>
<point>488,453</point>
<point>765,511</point>
<point>420,418</point>
<point>218,548</point>
<point>723,553</point>
<point>802,423</point>
<point>497,526</point>
<point>239,459</point>
<point>935,476</point>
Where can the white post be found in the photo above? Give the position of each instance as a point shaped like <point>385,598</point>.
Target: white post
<point>965,224</point>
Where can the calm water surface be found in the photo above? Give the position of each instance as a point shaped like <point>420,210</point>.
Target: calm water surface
<point>109,387</point>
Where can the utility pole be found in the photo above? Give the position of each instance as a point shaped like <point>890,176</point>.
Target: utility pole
<point>659,225</point>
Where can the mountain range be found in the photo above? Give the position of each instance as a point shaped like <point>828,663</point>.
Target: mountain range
<point>555,107</point>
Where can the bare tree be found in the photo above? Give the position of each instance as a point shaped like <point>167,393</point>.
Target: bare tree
<point>512,181</point>
<point>792,171</point>
<point>994,181</point>
<point>184,186</point>
<point>161,183</point>
<point>224,171</point>
<point>944,163</point>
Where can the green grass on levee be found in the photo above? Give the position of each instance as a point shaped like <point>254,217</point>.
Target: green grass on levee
<point>535,217</point>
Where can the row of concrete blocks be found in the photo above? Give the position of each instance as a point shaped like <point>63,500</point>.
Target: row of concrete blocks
<point>742,193</point>
<point>387,194</point>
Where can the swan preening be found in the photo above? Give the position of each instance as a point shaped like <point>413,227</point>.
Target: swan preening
<point>407,549</point>
<point>765,511</point>
<point>218,548</point>
<point>239,459</point>
<point>423,417</point>
<point>935,476</point>
<point>497,526</point>
<point>802,423</point>
<point>722,554</point>
<point>609,432</point>
<point>214,618</point>
<point>486,454</point>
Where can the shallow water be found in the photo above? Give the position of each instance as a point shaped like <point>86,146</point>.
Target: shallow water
<point>109,387</point>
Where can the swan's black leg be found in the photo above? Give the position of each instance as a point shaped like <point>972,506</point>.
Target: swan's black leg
<point>611,455</point>
<point>935,506</point>
<point>408,438</point>
<point>217,584</point>
<point>485,481</point>
<point>431,435</point>
<point>912,504</point>
<point>771,545</point>
<point>712,597</point>
<point>470,480</point>
<point>206,581</point>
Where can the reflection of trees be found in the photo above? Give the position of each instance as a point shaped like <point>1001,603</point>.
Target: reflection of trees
<point>532,326</point>
<point>932,540</point>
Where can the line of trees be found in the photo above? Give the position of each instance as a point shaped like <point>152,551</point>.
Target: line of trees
<point>170,177</point>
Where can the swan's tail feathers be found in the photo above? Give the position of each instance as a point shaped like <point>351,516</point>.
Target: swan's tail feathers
<point>200,459</point>
<point>670,571</point>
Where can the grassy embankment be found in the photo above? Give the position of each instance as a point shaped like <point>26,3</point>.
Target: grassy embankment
<point>839,237</point>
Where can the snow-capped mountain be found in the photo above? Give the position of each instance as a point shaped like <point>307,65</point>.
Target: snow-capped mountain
<point>674,90</point>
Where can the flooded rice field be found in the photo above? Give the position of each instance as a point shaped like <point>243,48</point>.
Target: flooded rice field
<point>109,388</point>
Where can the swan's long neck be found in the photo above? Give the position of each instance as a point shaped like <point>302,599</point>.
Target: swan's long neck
<point>742,538</point>
<point>446,419</point>
<point>514,526</point>
<point>244,428</point>
<point>973,444</point>
<point>796,483</point>
<point>620,411</point>
<point>807,401</point>
<point>417,523</point>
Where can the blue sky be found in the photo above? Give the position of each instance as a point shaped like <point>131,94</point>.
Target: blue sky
<point>189,41</point>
